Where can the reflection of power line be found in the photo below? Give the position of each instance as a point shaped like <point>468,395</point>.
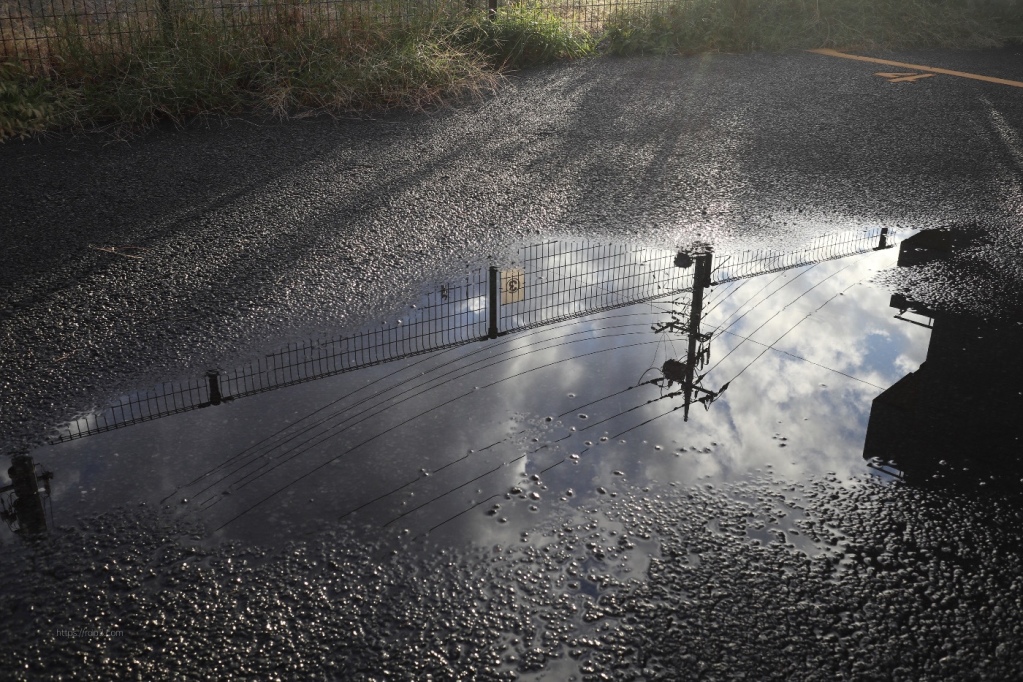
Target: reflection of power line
<point>711,395</point>
<point>403,423</point>
<point>790,329</point>
<point>389,405</point>
<point>297,480</point>
<point>798,357</point>
<point>724,296</point>
<point>475,504</point>
<point>452,518</point>
<point>447,320</point>
<point>633,428</point>
<point>673,394</point>
<point>462,485</point>
<point>373,406</point>
<point>695,383</point>
<point>780,311</point>
<point>418,478</point>
<point>683,371</point>
<point>257,446</point>
<point>451,490</point>
<point>758,292</point>
<point>294,454</point>
<point>598,400</point>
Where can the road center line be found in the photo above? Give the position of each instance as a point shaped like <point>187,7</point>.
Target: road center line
<point>917,67</point>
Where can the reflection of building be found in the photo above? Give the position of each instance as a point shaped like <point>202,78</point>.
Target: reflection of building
<point>23,507</point>
<point>956,420</point>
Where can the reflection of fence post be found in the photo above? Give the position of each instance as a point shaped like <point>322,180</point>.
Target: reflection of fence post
<point>492,304</point>
<point>883,243</point>
<point>213,377</point>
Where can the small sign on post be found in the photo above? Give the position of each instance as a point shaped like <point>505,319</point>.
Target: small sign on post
<point>513,286</point>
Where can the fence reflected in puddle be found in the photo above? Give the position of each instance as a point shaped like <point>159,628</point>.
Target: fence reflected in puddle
<point>536,390</point>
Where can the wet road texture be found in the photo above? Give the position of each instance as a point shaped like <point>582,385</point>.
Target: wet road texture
<point>642,369</point>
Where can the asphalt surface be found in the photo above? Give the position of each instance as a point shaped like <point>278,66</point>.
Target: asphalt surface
<point>125,263</point>
<point>249,234</point>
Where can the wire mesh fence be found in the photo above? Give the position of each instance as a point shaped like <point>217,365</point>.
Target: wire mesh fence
<point>42,31</point>
<point>827,247</point>
<point>548,283</point>
<point>558,281</point>
<point>451,316</point>
<point>161,401</point>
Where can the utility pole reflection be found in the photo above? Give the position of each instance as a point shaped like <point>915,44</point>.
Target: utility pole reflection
<point>684,372</point>
<point>22,510</point>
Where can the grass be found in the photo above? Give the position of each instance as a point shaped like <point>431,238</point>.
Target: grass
<point>292,58</point>
<point>296,57</point>
<point>26,106</point>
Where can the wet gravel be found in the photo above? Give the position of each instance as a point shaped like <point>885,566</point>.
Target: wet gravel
<point>851,580</point>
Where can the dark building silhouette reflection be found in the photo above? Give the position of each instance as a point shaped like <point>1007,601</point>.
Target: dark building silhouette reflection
<point>956,421</point>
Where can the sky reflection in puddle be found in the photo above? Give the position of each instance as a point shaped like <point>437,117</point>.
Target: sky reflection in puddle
<point>477,442</point>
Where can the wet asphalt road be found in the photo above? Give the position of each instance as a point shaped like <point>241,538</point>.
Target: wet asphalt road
<point>125,263</point>
<point>243,235</point>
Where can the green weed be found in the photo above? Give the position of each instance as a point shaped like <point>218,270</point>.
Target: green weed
<point>292,57</point>
<point>525,35</point>
<point>25,106</point>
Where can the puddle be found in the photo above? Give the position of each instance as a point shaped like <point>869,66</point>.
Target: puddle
<point>533,411</point>
<point>536,385</point>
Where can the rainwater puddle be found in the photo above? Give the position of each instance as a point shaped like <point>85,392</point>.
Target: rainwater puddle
<point>563,408</point>
<point>553,419</point>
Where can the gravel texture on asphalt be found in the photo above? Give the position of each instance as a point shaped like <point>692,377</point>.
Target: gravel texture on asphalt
<point>125,262</point>
<point>128,262</point>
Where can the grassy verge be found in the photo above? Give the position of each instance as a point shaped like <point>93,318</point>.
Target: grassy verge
<point>695,26</point>
<point>287,62</point>
<point>292,57</point>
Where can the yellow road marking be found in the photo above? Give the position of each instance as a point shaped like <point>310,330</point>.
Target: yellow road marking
<point>917,67</point>
<point>904,77</point>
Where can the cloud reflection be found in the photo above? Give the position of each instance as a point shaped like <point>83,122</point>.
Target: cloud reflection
<point>434,442</point>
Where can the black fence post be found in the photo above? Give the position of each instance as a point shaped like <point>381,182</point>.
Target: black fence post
<point>165,20</point>
<point>492,9</point>
<point>213,377</point>
<point>493,305</point>
<point>704,265</point>
<point>883,243</point>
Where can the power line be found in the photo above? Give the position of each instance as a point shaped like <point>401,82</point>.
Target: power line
<point>797,357</point>
<point>406,421</point>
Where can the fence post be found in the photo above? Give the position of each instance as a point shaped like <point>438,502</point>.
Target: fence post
<point>492,9</point>
<point>493,305</point>
<point>213,378</point>
<point>165,19</point>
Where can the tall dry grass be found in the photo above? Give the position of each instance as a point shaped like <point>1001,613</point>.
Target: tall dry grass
<point>130,63</point>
